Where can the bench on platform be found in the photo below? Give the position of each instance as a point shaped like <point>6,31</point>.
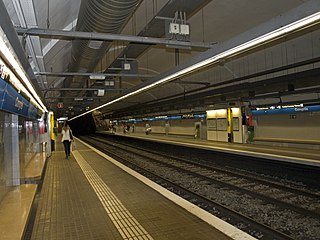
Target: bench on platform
<point>182,134</point>
<point>173,133</point>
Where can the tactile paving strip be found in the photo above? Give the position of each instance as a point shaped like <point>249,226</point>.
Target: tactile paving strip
<point>126,224</point>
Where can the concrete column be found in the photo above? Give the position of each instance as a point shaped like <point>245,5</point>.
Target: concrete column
<point>11,150</point>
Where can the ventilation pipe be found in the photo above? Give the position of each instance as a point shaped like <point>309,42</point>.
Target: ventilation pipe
<point>105,16</point>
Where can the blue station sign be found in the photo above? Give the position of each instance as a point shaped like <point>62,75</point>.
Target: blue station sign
<point>288,110</point>
<point>11,100</point>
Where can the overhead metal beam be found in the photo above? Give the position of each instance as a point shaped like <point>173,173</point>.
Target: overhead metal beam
<point>234,47</point>
<point>8,29</point>
<point>68,74</point>
<point>73,102</point>
<point>231,49</point>
<point>85,89</point>
<point>195,83</point>
<point>71,35</point>
<point>75,98</point>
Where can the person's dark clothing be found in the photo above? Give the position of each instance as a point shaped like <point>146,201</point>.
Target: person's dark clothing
<point>67,145</point>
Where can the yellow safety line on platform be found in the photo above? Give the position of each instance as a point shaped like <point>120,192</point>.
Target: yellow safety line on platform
<point>126,224</point>
<point>217,223</point>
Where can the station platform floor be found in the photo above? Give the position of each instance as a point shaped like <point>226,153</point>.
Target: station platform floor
<point>91,196</point>
<point>293,155</point>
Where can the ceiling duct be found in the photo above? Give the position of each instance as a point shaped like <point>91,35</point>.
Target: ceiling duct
<point>105,16</point>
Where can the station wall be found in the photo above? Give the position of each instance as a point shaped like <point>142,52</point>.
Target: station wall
<point>295,129</point>
<point>178,127</point>
<point>300,129</point>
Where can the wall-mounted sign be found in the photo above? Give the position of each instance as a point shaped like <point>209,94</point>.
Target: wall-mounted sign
<point>212,124</point>
<point>287,110</point>
<point>14,102</point>
<point>11,98</point>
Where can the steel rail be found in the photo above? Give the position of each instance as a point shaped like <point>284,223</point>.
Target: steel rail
<point>224,212</point>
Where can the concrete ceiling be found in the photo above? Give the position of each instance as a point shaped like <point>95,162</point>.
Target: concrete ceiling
<point>265,76</point>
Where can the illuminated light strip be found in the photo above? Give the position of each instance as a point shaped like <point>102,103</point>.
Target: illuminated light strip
<point>276,34</point>
<point>16,83</point>
<point>13,62</point>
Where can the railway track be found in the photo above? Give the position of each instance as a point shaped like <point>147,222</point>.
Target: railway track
<point>264,208</point>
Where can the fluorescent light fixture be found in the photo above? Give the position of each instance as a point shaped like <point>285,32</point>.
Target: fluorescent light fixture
<point>16,66</point>
<point>97,77</point>
<point>268,37</point>
<point>61,119</point>
<point>217,113</point>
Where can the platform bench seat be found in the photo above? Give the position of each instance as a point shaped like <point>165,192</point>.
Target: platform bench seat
<point>173,133</point>
<point>181,133</point>
<point>156,132</point>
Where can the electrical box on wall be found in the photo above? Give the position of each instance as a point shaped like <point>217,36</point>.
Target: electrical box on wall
<point>127,66</point>
<point>174,28</point>
<point>184,29</point>
<point>100,93</point>
<point>109,83</point>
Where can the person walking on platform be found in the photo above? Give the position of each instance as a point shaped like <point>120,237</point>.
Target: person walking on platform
<point>148,128</point>
<point>66,138</point>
